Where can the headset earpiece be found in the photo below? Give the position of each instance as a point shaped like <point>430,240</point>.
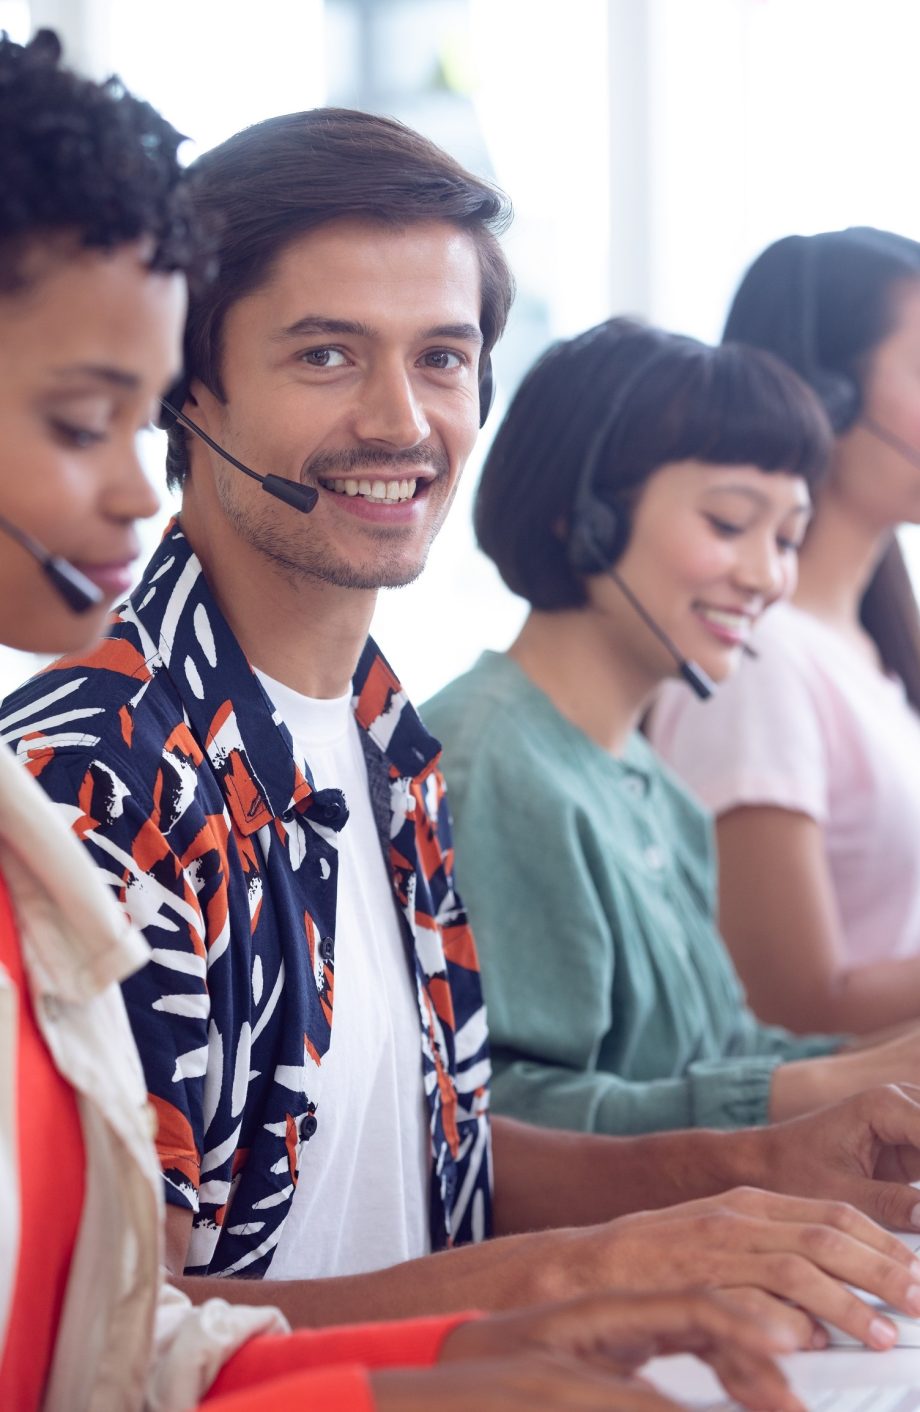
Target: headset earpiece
<point>598,534</point>
<point>486,390</point>
<point>840,396</point>
<point>598,530</point>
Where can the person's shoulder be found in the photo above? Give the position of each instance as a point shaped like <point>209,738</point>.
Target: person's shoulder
<point>477,710</point>
<point>109,701</point>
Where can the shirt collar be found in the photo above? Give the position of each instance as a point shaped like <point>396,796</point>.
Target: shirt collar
<point>231,714</point>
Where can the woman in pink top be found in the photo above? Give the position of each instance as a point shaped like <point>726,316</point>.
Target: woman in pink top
<point>810,757</point>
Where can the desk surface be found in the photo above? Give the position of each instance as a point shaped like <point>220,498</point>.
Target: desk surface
<point>689,1381</point>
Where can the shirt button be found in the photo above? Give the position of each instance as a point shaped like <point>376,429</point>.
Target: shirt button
<point>308,1126</point>
<point>327,948</point>
<point>654,858</point>
<point>634,786</point>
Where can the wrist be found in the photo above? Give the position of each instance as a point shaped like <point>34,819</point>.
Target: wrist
<point>804,1085</point>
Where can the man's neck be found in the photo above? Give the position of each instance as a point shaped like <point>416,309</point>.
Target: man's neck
<point>299,630</point>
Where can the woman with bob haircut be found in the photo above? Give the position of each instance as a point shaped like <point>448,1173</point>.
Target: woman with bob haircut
<point>96,240</point>
<point>810,759</point>
<point>641,484</point>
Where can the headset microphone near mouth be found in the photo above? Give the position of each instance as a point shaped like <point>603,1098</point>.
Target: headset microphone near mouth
<point>78,592</point>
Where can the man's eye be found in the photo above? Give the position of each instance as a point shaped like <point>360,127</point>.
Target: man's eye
<point>443,359</point>
<point>323,358</point>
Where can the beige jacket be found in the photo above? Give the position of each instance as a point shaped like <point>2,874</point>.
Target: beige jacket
<point>126,1342</point>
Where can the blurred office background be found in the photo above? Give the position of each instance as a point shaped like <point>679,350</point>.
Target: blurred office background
<point>651,148</point>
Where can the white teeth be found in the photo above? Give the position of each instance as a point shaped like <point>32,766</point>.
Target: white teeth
<point>392,491</point>
<point>735,622</point>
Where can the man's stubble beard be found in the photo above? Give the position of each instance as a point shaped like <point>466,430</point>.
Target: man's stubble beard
<point>298,562</point>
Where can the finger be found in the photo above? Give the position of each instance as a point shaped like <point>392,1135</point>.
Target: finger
<point>794,1277</point>
<point>753,1381</point>
<point>631,1328</point>
<point>843,1215</point>
<point>845,1245</point>
<point>804,1331</point>
<point>890,1203</point>
<point>562,1382</point>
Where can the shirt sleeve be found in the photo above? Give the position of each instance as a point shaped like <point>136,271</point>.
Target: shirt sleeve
<point>406,1343</point>
<point>168,899</point>
<point>235,1358</point>
<point>758,740</point>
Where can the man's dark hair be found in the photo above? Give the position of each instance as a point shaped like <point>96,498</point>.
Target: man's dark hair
<point>88,159</point>
<point>653,398</point>
<point>280,179</point>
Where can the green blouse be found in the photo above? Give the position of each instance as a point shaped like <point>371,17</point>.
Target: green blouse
<point>591,886</point>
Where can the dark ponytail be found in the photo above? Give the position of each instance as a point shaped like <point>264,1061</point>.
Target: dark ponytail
<point>823,303</point>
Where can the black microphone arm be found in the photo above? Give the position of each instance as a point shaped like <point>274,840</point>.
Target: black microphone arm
<point>77,591</point>
<point>301,497</point>
<point>699,683</point>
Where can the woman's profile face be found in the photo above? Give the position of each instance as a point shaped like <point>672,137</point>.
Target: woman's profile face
<point>879,480</point>
<point>711,547</point>
<point>85,350</point>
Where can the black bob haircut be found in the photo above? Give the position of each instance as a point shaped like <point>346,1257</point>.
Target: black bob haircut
<point>89,160</point>
<point>280,179</point>
<point>652,398</point>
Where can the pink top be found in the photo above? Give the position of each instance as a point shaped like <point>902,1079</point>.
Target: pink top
<point>811,727</point>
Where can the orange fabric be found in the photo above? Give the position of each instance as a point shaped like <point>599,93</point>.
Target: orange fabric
<point>341,1389</point>
<point>51,1192</point>
<point>261,1362</point>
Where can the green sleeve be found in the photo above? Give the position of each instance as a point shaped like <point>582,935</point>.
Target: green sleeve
<point>550,953</point>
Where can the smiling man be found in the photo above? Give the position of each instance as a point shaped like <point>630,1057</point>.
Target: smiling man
<point>246,770</point>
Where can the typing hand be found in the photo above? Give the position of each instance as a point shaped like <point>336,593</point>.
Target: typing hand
<point>618,1332</point>
<point>798,1255</point>
<point>865,1150</point>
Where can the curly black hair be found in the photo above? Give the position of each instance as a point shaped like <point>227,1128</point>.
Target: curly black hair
<point>88,158</point>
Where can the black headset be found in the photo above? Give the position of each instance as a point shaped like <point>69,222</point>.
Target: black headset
<point>599,530</point>
<point>177,396</point>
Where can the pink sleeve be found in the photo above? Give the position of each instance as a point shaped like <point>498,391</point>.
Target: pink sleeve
<point>758,740</point>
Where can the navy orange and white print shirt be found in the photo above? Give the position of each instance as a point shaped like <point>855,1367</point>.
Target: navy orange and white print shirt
<point>169,762</point>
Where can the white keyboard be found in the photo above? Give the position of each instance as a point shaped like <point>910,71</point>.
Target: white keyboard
<point>858,1399</point>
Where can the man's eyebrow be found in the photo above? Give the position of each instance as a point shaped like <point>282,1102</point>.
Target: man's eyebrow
<point>318,324</point>
<point>470,333</point>
<point>97,372</point>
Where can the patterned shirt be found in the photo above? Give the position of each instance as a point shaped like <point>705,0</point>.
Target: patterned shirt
<point>173,767</point>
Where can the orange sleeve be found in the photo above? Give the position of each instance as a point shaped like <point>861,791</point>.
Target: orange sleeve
<point>336,1389</point>
<point>292,1358</point>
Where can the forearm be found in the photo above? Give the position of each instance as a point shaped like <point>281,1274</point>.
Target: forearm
<point>861,1000</point>
<point>497,1274</point>
<point>546,1178</point>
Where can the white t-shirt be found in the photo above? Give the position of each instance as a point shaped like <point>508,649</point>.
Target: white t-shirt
<point>812,727</point>
<point>362,1194</point>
